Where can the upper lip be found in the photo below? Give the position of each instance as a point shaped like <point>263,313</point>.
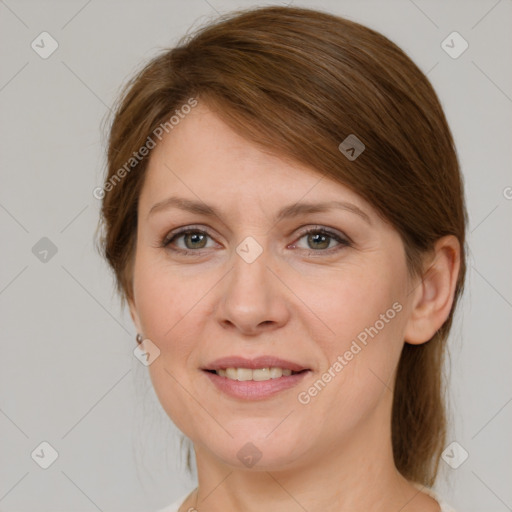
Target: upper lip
<point>254,363</point>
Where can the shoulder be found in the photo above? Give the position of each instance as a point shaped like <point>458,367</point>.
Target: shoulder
<point>175,505</point>
<point>443,505</point>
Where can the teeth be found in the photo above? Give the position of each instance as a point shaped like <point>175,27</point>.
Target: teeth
<point>257,375</point>
<point>261,374</point>
<point>243,373</point>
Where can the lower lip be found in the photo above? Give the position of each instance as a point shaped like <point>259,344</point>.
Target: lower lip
<point>253,389</point>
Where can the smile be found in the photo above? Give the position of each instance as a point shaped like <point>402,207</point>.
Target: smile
<point>257,384</point>
<point>258,374</point>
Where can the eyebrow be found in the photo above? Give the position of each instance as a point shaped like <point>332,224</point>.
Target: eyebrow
<point>292,210</point>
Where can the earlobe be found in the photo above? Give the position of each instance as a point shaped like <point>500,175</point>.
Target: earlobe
<point>433,296</point>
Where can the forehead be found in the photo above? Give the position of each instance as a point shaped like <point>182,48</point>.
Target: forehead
<point>203,158</point>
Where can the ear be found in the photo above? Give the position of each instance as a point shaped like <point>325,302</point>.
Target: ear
<point>433,296</point>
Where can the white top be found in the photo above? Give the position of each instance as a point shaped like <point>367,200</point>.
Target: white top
<point>173,507</point>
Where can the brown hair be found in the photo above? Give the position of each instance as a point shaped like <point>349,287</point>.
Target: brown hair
<point>298,82</point>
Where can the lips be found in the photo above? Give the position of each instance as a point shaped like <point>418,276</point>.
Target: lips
<point>253,364</point>
<point>255,388</point>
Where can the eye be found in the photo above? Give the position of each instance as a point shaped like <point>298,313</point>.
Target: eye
<point>193,240</point>
<point>320,240</point>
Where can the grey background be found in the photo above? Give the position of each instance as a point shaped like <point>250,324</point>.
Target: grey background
<point>68,375</point>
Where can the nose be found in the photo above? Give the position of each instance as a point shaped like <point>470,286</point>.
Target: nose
<point>253,299</point>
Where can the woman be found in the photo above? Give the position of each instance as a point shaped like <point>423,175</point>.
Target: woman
<point>284,215</point>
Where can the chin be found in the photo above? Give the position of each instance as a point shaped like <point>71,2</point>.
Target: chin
<point>253,451</point>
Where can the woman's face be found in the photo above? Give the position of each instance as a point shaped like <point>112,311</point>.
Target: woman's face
<point>254,284</point>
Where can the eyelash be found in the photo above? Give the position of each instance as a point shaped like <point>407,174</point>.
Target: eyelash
<point>343,242</point>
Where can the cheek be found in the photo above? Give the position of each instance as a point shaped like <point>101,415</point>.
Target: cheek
<point>165,304</point>
<point>351,301</point>
<point>365,314</point>
<point>163,300</point>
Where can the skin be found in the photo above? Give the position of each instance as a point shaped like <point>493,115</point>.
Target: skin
<point>335,452</point>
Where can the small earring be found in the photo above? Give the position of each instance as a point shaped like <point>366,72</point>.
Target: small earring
<point>138,338</point>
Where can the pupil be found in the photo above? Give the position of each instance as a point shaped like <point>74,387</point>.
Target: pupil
<point>195,237</point>
<point>315,238</point>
